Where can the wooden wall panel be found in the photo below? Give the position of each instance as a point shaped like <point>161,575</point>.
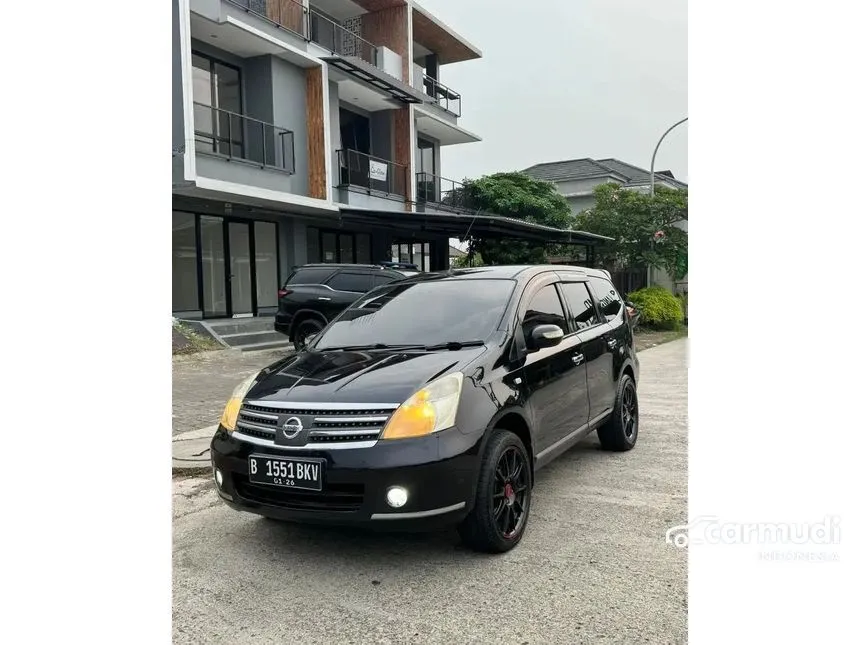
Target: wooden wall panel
<point>403,146</point>
<point>289,13</point>
<point>389,28</point>
<point>316,133</point>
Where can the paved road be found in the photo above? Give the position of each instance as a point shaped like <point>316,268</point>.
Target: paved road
<point>202,383</point>
<point>593,566</point>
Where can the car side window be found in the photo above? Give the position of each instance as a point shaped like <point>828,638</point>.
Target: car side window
<point>352,281</point>
<point>380,279</point>
<point>582,312</point>
<point>609,301</point>
<point>544,309</point>
<point>310,275</point>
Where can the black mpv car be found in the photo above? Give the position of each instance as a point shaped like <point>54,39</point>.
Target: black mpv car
<point>433,400</point>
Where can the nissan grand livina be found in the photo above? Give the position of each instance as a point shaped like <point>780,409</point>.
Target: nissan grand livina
<point>433,401</point>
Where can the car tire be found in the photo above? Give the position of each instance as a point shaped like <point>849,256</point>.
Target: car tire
<point>304,329</point>
<point>622,429</point>
<point>498,520</point>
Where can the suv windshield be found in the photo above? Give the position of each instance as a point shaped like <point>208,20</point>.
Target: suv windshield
<point>431,312</point>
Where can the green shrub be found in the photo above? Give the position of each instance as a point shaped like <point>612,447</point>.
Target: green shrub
<point>660,309</point>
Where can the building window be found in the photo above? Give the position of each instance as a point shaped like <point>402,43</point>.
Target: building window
<point>186,296</point>
<point>417,253</point>
<point>217,88</point>
<point>266,263</point>
<point>339,247</point>
<point>425,162</point>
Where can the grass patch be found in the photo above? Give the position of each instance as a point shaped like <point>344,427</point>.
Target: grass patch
<point>188,341</point>
<point>645,338</point>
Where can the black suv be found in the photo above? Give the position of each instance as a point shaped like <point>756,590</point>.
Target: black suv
<point>315,293</point>
<point>432,401</point>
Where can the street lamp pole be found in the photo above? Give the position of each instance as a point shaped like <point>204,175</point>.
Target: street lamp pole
<point>653,157</point>
<point>657,147</point>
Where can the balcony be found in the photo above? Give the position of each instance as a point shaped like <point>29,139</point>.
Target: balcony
<point>287,14</point>
<point>443,96</point>
<point>441,193</point>
<point>236,137</point>
<point>372,174</point>
<point>340,40</point>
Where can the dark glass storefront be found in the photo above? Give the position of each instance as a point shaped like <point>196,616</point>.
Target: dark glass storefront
<point>224,267</point>
<point>339,247</point>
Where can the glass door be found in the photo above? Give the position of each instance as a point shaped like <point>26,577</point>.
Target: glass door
<point>241,282</point>
<point>214,267</point>
<point>266,264</point>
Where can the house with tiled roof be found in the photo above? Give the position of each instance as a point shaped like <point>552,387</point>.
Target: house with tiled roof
<point>576,180</point>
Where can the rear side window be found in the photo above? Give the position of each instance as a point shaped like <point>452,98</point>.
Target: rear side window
<point>380,279</point>
<point>352,281</point>
<point>608,299</point>
<point>310,275</point>
<point>544,309</point>
<point>582,313</point>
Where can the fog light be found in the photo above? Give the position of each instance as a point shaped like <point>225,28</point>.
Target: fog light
<point>219,478</point>
<point>396,496</point>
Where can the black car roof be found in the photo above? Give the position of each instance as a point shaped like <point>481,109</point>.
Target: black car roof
<point>344,265</point>
<point>523,271</point>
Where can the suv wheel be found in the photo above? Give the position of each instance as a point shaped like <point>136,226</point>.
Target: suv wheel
<point>498,520</point>
<point>622,429</point>
<point>306,328</point>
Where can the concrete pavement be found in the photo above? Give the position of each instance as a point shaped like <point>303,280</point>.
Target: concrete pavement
<point>593,566</point>
<point>202,383</point>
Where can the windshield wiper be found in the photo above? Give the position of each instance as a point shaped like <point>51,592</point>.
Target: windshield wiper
<point>349,348</point>
<point>454,345</point>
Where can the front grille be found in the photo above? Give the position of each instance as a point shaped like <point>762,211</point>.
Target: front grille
<point>337,426</point>
<point>260,434</point>
<point>343,498</point>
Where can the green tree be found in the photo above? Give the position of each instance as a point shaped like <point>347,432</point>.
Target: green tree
<point>644,228</point>
<point>520,197</point>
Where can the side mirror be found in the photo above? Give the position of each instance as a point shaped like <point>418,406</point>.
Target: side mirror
<point>544,336</point>
<point>309,339</point>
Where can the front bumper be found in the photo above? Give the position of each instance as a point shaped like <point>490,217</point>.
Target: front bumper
<point>439,472</point>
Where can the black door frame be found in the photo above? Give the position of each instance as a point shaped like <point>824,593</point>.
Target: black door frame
<point>252,250</point>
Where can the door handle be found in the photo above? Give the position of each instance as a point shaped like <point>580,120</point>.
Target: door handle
<point>612,343</point>
<point>578,358</point>
<point>323,298</point>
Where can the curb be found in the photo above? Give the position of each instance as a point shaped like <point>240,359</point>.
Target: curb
<point>192,470</point>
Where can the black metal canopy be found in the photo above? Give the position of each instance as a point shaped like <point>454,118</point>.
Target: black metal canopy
<point>375,78</point>
<point>462,224</point>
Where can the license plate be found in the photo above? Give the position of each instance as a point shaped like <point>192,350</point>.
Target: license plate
<point>306,474</point>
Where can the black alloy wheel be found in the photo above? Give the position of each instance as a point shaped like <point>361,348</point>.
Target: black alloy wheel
<point>621,430</point>
<point>498,519</point>
<point>629,411</point>
<point>510,493</point>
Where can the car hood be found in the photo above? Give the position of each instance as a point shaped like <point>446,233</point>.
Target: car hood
<point>356,376</point>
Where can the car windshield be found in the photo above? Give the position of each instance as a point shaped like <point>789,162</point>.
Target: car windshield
<point>425,313</point>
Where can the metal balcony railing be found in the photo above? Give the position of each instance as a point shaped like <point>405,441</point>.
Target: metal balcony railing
<point>289,14</point>
<point>339,40</point>
<point>238,137</point>
<point>444,193</point>
<point>445,97</point>
<point>371,173</point>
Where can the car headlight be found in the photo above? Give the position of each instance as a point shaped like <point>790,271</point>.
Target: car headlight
<point>231,410</point>
<point>430,409</point>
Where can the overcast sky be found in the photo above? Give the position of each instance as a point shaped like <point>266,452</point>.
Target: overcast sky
<point>564,79</point>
